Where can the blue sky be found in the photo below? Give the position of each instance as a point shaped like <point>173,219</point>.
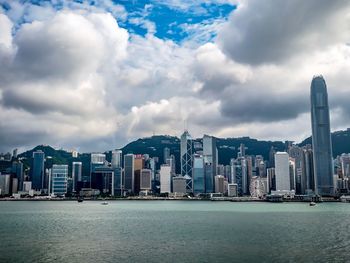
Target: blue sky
<point>174,20</point>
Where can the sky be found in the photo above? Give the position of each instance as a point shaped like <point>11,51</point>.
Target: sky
<point>94,75</point>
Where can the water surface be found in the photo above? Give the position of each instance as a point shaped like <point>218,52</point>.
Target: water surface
<point>173,231</point>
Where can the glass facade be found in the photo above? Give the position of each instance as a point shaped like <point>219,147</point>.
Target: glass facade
<point>59,179</point>
<point>321,137</point>
<point>38,170</point>
<point>198,175</point>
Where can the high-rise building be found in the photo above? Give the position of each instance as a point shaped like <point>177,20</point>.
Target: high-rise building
<point>282,172</point>
<point>345,164</point>
<point>5,184</point>
<point>165,179</point>
<point>186,159</point>
<point>179,184</point>
<point>38,170</point>
<point>210,151</point>
<point>146,180</point>
<point>219,184</point>
<point>297,154</point>
<point>97,160</point>
<point>17,171</point>
<point>76,175</point>
<point>198,174</point>
<point>139,164</point>
<point>321,137</point>
<point>118,183</point>
<point>309,169</point>
<point>271,178</point>
<point>166,154</point>
<point>129,173</point>
<point>208,175</point>
<point>116,158</point>
<point>59,177</point>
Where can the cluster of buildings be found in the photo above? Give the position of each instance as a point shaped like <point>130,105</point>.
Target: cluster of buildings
<point>295,173</point>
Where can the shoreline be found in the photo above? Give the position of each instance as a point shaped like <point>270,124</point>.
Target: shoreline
<point>164,199</point>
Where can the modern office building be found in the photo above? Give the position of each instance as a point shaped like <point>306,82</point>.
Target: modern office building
<point>76,175</point>
<point>219,184</point>
<point>208,175</point>
<point>116,158</point>
<point>309,169</point>
<point>179,185</point>
<point>146,180</point>
<point>59,177</point>
<point>271,178</point>
<point>297,153</point>
<point>166,154</point>
<point>17,171</point>
<point>345,164</point>
<point>38,170</point>
<point>198,174</point>
<point>97,160</point>
<point>102,179</point>
<point>210,151</point>
<point>129,173</point>
<point>186,159</point>
<point>118,183</point>
<point>282,172</point>
<point>321,137</point>
<point>5,184</point>
<point>139,164</point>
<point>165,179</point>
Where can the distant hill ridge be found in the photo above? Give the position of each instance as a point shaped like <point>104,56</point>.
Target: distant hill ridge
<point>154,146</point>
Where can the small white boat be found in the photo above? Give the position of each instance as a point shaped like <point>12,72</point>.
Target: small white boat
<point>312,203</point>
<point>104,203</point>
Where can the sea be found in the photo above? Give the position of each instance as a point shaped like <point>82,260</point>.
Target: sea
<point>173,231</point>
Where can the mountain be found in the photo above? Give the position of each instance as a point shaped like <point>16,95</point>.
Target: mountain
<point>340,142</point>
<point>154,147</point>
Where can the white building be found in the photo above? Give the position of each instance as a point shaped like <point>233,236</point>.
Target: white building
<point>233,190</point>
<point>165,179</point>
<point>282,171</point>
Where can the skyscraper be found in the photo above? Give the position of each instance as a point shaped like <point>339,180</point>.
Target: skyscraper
<point>165,178</point>
<point>321,137</point>
<point>210,151</point>
<point>76,174</point>
<point>198,174</point>
<point>38,170</point>
<point>116,158</point>
<point>186,159</point>
<point>282,171</point>
<point>129,172</point>
<point>59,179</point>
<point>166,154</point>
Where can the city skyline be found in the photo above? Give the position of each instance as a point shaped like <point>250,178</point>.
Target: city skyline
<point>85,76</point>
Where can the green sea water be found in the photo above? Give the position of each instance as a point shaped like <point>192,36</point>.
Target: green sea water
<point>173,231</point>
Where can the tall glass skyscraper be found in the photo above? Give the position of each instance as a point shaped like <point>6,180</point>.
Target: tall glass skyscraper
<point>129,173</point>
<point>186,159</point>
<point>321,137</point>
<point>198,175</point>
<point>38,170</point>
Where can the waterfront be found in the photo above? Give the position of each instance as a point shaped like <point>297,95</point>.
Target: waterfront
<point>177,231</point>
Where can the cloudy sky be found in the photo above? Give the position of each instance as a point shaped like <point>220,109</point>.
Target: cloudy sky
<point>94,75</point>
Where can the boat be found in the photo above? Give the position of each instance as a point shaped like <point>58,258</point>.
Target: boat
<point>80,199</point>
<point>312,204</point>
<point>104,203</point>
